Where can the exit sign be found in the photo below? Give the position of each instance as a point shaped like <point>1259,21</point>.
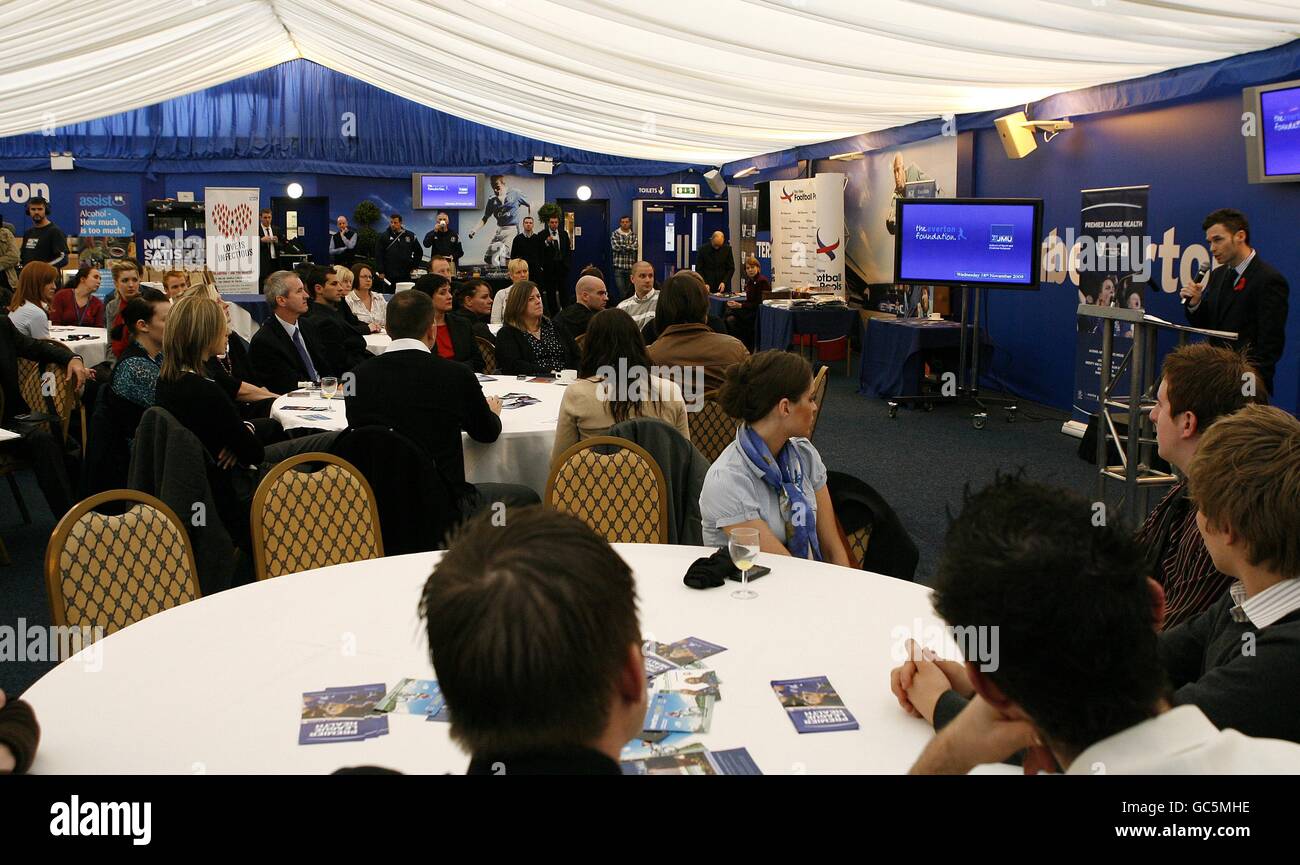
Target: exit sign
<point>686,190</point>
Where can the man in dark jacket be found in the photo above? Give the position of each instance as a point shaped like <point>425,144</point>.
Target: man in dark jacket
<point>284,351</point>
<point>715,263</point>
<point>399,252</point>
<point>591,299</point>
<point>1244,295</point>
<point>442,242</point>
<point>528,246</point>
<point>341,346</point>
<point>557,249</point>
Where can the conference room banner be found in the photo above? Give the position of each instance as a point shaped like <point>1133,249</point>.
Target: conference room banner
<point>807,217</point>
<point>104,235</point>
<point>230,217</point>
<point>1110,262</point>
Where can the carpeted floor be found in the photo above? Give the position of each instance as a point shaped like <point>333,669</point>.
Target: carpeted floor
<point>918,461</point>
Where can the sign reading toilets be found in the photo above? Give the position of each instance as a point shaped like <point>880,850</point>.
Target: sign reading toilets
<point>807,218</point>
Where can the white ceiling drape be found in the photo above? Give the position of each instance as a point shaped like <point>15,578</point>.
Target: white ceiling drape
<point>673,80</point>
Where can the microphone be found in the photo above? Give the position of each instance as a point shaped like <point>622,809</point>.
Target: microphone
<point>1196,277</point>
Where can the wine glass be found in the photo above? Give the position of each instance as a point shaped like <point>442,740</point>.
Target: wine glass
<point>329,386</point>
<point>743,546</point>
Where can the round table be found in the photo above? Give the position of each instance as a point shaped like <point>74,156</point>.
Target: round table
<point>521,455</point>
<point>215,685</point>
<point>93,350</point>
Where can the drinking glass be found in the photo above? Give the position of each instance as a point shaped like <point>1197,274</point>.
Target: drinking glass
<point>329,386</point>
<point>743,546</point>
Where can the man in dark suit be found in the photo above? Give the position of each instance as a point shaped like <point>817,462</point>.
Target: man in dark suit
<point>38,446</point>
<point>556,249</point>
<point>715,262</point>
<point>1244,295</point>
<point>528,246</point>
<point>592,298</point>
<point>430,400</point>
<point>341,346</point>
<point>270,243</point>
<point>283,352</point>
<point>399,252</point>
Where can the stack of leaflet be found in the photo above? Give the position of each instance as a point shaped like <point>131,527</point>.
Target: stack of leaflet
<point>342,715</point>
<point>416,697</point>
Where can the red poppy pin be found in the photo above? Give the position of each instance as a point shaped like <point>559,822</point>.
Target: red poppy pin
<point>1241,283</point>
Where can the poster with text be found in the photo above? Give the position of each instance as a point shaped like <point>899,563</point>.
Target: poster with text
<point>104,235</point>
<point>807,218</point>
<point>231,227</point>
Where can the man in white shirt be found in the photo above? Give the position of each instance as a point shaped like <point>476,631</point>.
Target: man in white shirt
<point>1056,619</point>
<point>645,297</point>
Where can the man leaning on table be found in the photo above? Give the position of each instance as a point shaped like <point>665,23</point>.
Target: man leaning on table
<point>1085,691</point>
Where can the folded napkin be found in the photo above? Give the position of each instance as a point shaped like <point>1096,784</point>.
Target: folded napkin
<point>710,572</point>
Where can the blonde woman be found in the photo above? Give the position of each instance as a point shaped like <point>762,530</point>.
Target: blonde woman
<point>230,368</point>
<point>369,307</point>
<point>518,270</point>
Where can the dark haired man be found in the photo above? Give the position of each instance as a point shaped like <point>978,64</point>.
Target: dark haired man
<point>44,241</point>
<point>1244,294</point>
<point>556,251</point>
<point>270,241</point>
<point>623,250</point>
<point>528,246</point>
<point>341,345</point>
<point>1085,690</point>
<point>399,252</point>
<point>544,579</point>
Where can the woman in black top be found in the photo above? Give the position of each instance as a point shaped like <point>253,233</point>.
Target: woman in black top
<point>453,336</point>
<point>232,371</point>
<point>742,316</point>
<point>528,344</point>
<point>196,330</point>
<point>474,305</point>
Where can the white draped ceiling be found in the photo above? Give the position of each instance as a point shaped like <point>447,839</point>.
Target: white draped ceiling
<point>704,81</point>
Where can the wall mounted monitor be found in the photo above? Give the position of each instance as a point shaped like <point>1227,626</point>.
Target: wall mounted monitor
<point>1273,152</point>
<point>445,191</point>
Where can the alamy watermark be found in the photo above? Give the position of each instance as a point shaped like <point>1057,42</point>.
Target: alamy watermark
<point>977,644</point>
<point>24,643</point>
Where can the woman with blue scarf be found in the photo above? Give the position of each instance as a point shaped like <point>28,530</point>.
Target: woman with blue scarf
<point>771,478</point>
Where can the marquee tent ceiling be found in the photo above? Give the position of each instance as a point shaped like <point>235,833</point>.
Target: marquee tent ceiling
<point>673,80</point>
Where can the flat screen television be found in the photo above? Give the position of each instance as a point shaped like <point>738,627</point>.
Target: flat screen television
<point>991,242</point>
<point>445,191</point>
<point>1273,152</point>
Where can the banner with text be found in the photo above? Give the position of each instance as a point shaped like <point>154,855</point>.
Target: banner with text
<point>807,218</point>
<point>1109,261</point>
<point>231,227</point>
<point>104,234</point>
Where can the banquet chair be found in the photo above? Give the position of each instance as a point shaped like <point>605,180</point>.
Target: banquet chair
<point>47,392</point>
<point>712,429</point>
<point>310,519</point>
<point>614,486</point>
<point>579,340</point>
<point>819,396</point>
<point>489,352</point>
<point>111,571</point>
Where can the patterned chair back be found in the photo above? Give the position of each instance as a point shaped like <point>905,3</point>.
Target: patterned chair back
<point>303,520</point>
<point>819,395</point>
<point>489,352</point>
<point>621,495</point>
<point>858,541</point>
<point>712,429</point>
<point>34,381</point>
<point>113,571</point>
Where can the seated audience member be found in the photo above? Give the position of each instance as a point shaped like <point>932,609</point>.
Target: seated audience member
<point>742,316</point>
<point>528,343</point>
<point>345,309</point>
<point>1075,677</point>
<point>27,307</point>
<point>591,297</point>
<point>126,285</point>
<point>19,736</point>
<point>684,339</point>
<point>1239,661</point>
<point>1199,385</point>
<point>518,270</point>
<point>196,330</point>
<point>77,305</point>
<point>771,478</point>
<point>430,400</point>
<point>283,352</point>
<point>441,265</point>
<point>135,377</point>
<point>341,346</point>
<point>454,337</point>
<point>175,284</point>
<point>645,297</point>
<point>38,447</point>
<point>473,304</point>
<point>546,579</point>
<point>233,371</point>
<point>614,384</point>
<point>650,331</point>
<point>366,304</point>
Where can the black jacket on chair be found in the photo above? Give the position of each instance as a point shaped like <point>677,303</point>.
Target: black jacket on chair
<point>1256,313</point>
<point>478,324</point>
<point>14,345</point>
<point>684,470</point>
<point>341,347</point>
<point>890,550</point>
<point>429,400</point>
<point>276,362</point>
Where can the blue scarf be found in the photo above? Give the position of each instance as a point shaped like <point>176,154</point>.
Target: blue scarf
<point>783,473</point>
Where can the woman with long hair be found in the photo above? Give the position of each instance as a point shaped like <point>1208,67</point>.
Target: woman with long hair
<point>76,305</point>
<point>528,343</point>
<point>615,383</point>
<point>29,305</point>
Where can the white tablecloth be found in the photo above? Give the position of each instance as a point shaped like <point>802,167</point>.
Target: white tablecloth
<point>92,351</point>
<point>521,455</point>
<point>215,685</point>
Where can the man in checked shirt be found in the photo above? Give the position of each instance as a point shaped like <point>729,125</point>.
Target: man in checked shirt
<point>1200,384</point>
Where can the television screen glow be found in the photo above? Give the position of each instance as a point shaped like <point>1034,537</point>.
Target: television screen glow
<point>434,191</point>
<point>968,242</point>
<point>1279,126</point>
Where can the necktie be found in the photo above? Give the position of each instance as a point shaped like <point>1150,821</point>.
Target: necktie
<point>303,355</point>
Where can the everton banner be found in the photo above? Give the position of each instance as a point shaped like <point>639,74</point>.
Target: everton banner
<point>1112,261</point>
